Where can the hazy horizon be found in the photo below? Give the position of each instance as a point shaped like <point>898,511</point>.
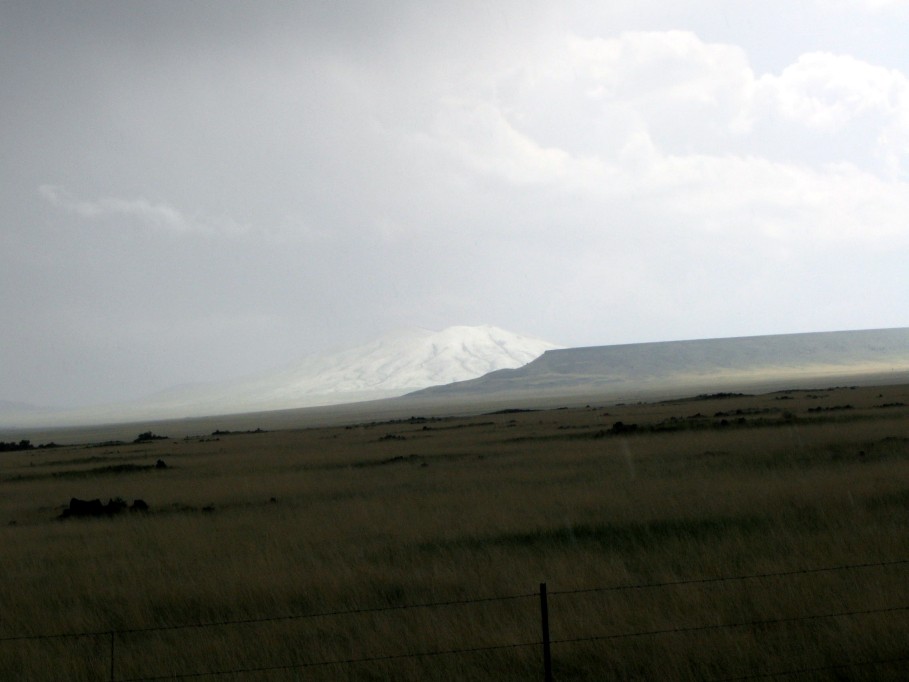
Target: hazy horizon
<point>326,367</point>
<point>199,192</point>
<point>470,370</point>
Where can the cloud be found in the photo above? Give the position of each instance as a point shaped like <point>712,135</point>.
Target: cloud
<point>481,136</point>
<point>674,65</point>
<point>594,173</point>
<point>692,96</point>
<point>839,94</point>
<point>828,91</point>
<point>140,211</point>
<point>665,123</point>
<point>864,5</point>
<point>796,205</point>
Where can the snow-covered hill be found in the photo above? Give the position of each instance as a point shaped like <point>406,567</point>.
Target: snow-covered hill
<point>399,361</point>
<point>393,365</point>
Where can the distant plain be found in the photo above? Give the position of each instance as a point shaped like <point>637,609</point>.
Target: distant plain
<point>400,510</point>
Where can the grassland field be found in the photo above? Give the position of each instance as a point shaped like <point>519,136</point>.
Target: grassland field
<point>250,526</point>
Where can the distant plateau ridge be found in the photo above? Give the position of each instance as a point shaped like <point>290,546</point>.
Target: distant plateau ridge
<point>464,370</point>
<point>683,366</point>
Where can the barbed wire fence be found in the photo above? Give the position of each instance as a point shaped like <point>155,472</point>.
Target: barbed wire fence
<point>544,644</point>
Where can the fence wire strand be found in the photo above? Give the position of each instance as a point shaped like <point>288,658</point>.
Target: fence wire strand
<point>460,602</point>
<point>722,626</point>
<point>818,669</point>
<point>575,640</point>
<point>730,578</point>
<point>348,661</point>
<point>624,635</point>
<point>272,619</point>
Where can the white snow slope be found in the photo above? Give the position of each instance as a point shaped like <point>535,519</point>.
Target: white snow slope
<point>418,358</point>
<point>390,366</point>
<point>393,365</point>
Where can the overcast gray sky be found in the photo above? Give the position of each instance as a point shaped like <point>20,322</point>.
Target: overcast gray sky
<point>195,191</point>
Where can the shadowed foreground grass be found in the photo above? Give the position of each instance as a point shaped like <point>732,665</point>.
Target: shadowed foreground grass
<point>253,526</point>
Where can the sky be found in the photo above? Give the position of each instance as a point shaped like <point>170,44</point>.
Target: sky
<point>201,191</point>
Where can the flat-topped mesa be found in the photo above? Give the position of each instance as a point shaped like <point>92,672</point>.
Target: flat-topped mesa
<point>696,364</point>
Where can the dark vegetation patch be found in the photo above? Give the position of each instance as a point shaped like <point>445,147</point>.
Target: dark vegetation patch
<point>789,391</point>
<point>810,393</point>
<point>110,470</point>
<point>889,501</point>
<point>220,432</point>
<point>412,458</point>
<point>885,405</point>
<point>392,436</point>
<point>24,445</point>
<point>713,455</point>
<point>725,423</point>
<point>752,418</point>
<point>832,408</point>
<point>147,436</point>
<point>393,422</point>
<point>469,425</point>
<point>692,422</point>
<point>88,460</point>
<point>210,507</point>
<point>763,419</point>
<point>892,445</point>
<point>400,459</point>
<point>95,509</point>
<point>619,537</point>
<point>618,428</point>
<point>889,447</point>
<point>748,411</point>
<point>182,508</point>
<point>702,396</point>
<point>757,418</point>
<point>510,410</point>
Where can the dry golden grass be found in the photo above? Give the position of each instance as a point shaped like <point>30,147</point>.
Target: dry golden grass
<point>336,519</point>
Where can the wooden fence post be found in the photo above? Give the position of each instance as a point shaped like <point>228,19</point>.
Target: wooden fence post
<point>547,654</point>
